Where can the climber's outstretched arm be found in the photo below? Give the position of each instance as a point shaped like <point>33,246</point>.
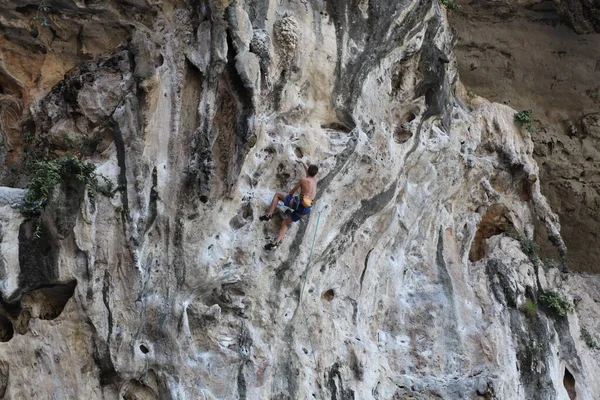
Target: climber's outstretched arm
<point>305,165</point>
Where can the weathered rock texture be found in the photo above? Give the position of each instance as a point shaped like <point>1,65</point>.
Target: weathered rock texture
<point>521,54</point>
<point>403,283</point>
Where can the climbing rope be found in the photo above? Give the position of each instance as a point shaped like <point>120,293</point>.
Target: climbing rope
<point>306,272</point>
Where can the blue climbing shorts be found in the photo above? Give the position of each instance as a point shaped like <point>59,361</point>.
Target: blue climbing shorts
<point>294,203</point>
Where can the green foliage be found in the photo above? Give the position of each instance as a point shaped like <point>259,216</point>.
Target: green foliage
<point>525,119</point>
<point>529,247</point>
<point>529,308</point>
<point>450,4</point>
<point>555,303</point>
<point>45,175</point>
<point>87,145</point>
<point>514,234</point>
<point>588,339</point>
<point>45,170</point>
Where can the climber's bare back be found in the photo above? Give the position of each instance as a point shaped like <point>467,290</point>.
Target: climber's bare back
<point>308,186</point>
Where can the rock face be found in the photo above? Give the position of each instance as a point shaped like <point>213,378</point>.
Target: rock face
<point>582,15</point>
<point>414,276</point>
<point>521,54</point>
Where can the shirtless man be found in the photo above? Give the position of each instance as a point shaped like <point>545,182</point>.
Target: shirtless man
<point>300,204</point>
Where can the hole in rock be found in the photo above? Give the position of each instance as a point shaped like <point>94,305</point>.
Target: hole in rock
<point>159,60</point>
<point>282,175</point>
<point>48,301</point>
<point>402,134</point>
<point>27,9</point>
<point>38,257</point>
<point>542,6</point>
<point>329,295</point>
<point>144,349</point>
<point>6,329</point>
<point>247,212</point>
<point>494,222</point>
<point>298,152</point>
<point>524,189</point>
<point>204,198</point>
<point>136,390</point>
<point>337,126</point>
<point>569,383</point>
<point>244,215</point>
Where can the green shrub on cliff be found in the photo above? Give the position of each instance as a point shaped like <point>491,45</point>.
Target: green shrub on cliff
<point>528,246</point>
<point>450,4</point>
<point>529,308</point>
<point>556,303</point>
<point>45,175</point>
<point>525,119</point>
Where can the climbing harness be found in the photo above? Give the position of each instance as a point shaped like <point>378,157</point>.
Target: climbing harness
<point>306,200</point>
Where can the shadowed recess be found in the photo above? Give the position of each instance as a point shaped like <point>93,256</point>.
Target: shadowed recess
<point>136,390</point>
<point>6,329</point>
<point>494,222</point>
<point>48,301</point>
<point>569,383</point>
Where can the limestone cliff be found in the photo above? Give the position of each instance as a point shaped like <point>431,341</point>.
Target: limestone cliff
<point>414,277</point>
<point>521,54</point>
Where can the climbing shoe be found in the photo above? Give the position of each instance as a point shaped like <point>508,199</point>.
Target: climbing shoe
<point>271,246</point>
<point>265,217</point>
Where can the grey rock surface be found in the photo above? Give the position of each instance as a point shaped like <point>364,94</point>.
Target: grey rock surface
<point>413,277</point>
<point>521,54</point>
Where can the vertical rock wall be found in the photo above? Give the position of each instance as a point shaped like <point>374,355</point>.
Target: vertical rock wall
<point>405,281</point>
<point>523,55</point>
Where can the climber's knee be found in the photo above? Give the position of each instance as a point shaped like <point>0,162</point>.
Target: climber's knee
<point>280,196</point>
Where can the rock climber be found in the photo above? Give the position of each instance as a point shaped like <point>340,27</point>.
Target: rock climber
<point>301,205</point>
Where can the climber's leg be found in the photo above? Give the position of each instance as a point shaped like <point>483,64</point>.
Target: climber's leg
<point>284,227</point>
<point>279,196</point>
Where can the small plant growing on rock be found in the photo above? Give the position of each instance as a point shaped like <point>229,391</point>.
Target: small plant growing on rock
<point>528,246</point>
<point>525,119</point>
<point>45,175</point>
<point>514,234</point>
<point>450,4</point>
<point>529,308</point>
<point>556,303</point>
<point>588,339</point>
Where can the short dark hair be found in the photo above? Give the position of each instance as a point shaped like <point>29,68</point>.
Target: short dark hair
<point>312,170</point>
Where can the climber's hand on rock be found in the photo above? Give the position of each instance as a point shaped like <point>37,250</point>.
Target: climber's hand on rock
<point>303,164</point>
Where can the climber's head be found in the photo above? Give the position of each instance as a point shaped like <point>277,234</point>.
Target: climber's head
<point>312,170</point>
